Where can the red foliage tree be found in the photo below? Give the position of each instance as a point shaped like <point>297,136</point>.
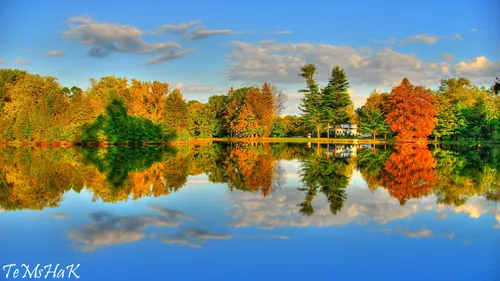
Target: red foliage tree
<point>411,111</point>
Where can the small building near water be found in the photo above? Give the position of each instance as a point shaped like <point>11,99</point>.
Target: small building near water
<point>345,129</point>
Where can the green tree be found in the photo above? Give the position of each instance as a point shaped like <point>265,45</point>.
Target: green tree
<point>371,116</point>
<point>294,126</point>
<point>311,104</point>
<point>337,106</point>
<point>455,97</point>
<point>176,114</point>
<point>203,117</point>
<point>217,105</point>
<point>116,126</point>
<point>330,176</point>
<point>278,130</point>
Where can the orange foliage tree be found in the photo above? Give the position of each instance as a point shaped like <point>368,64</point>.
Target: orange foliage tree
<point>410,172</point>
<point>411,111</point>
<point>147,99</point>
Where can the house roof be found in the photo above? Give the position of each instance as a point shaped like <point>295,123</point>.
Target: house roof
<point>347,123</point>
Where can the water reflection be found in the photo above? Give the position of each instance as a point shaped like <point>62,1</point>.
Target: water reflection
<point>34,178</point>
<point>179,208</point>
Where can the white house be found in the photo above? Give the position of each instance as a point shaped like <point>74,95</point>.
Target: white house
<point>345,129</point>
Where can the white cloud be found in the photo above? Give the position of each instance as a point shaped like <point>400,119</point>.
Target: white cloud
<point>479,69</point>
<point>280,209</point>
<point>195,30</point>
<point>181,28</point>
<point>195,88</point>
<point>421,38</point>
<point>55,53</point>
<point>202,32</point>
<point>106,229</point>
<point>280,63</point>
<point>422,233</point>
<point>3,61</point>
<point>106,38</point>
<point>22,61</point>
<point>445,67</point>
<point>476,65</point>
<point>448,57</point>
<point>169,55</point>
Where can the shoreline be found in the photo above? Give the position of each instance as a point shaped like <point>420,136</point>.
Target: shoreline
<point>206,141</point>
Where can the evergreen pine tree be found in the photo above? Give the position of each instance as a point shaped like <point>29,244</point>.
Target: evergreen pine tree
<point>337,106</point>
<point>311,103</point>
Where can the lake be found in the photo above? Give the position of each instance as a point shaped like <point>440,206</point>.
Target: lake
<point>248,211</point>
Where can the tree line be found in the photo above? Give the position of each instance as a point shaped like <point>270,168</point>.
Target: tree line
<point>37,109</point>
<point>457,110</point>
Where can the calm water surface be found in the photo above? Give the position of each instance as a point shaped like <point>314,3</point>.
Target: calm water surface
<point>254,212</point>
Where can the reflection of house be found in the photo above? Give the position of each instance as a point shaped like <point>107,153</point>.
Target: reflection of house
<point>344,151</point>
<point>345,129</point>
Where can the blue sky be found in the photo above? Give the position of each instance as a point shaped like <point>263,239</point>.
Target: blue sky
<point>204,47</point>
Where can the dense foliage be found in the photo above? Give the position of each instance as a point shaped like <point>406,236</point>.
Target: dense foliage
<point>37,109</point>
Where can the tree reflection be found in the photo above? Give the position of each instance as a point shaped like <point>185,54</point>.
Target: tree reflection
<point>410,172</point>
<point>370,162</point>
<point>36,178</point>
<point>328,175</point>
<point>251,168</point>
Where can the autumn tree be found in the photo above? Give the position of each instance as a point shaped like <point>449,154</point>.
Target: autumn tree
<point>250,111</point>
<point>236,99</point>
<point>411,111</point>
<point>102,92</point>
<point>147,99</point>
<point>8,77</point>
<point>35,110</point>
<point>267,109</point>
